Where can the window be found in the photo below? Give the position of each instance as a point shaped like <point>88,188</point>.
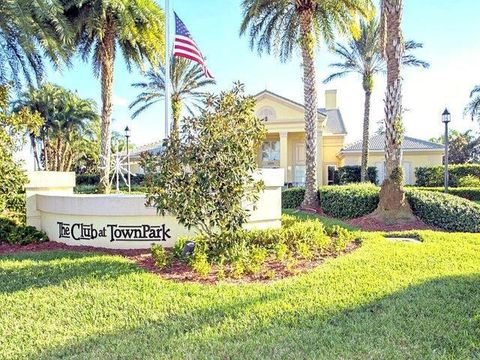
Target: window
<point>267,113</point>
<point>331,174</point>
<point>271,153</point>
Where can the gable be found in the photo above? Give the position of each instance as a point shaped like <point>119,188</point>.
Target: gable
<point>283,110</point>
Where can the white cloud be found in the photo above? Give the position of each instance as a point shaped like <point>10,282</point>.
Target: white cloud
<point>119,101</point>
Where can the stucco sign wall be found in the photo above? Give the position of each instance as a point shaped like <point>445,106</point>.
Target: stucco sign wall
<point>122,221</point>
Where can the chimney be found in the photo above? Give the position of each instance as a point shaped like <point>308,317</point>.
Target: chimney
<point>331,99</point>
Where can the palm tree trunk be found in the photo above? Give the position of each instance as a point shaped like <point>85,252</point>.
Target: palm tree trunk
<point>176,111</point>
<point>107,58</point>
<point>393,206</point>
<point>311,112</point>
<point>58,150</point>
<point>36,158</point>
<point>366,139</point>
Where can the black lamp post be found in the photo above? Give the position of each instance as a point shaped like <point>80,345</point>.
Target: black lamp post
<point>446,118</point>
<point>127,136</point>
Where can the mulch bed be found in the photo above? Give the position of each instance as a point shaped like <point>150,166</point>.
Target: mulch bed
<point>369,223</point>
<point>179,271</point>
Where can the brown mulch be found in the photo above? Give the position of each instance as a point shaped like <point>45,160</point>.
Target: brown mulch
<point>179,271</point>
<point>369,223</point>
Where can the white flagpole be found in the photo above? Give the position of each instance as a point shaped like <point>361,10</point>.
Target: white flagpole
<point>167,67</point>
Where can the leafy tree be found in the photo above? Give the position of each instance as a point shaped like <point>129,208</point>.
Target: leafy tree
<point>12,128</point>
<point>393,206</point>
<point>285,26</point>
<point>363,56</point>
<point>102,27</point>
<point>463,148</point>
<point>187,80</point>
<point>206,176</point>
<point>67,127</point>
<point>28,31</point>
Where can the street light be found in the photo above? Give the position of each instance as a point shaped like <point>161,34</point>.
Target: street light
<point>127,136</point>
<point>446,118</point>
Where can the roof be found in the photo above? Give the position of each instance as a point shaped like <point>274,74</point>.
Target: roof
<point>377,143</point>
<point>334,125</point>
<point>154,147</point>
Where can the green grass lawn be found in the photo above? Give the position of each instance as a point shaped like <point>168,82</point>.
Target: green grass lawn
<point>327,221</point>
<point>386,300</point>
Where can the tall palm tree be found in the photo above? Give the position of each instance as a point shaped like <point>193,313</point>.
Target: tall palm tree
<point>66,118</point>
<point>284,26</point>
<point>393,206</point>
<point>135,27</point>
<point>473,107</point>
<point>363,56</point>
<point>30,30</point>
<point>187,79</point>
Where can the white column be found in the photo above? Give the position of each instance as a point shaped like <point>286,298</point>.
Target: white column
<point>284,153</point>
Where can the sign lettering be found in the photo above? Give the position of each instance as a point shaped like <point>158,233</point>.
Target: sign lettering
<point>112,232</point>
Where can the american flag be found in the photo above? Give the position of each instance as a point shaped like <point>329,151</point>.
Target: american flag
<point>184,46</point>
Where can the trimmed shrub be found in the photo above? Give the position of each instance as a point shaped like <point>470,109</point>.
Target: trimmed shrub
<point>445,211</point>
<point>352,174</point>
<point>94,179</point>
<point>348,202</point>
<point>12,232</point>
<point>16,203</point>
<point>434,176</point>
<point>469,181</point>
<point>160,256</point>
<point>469,193</point>
<point>292,198</point>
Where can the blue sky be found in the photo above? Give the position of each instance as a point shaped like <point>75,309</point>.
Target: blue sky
<point>446,27</point>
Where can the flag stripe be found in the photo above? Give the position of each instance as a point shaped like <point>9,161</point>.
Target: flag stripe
<point>184,46</point>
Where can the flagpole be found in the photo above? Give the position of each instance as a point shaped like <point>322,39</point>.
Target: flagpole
<point>167,67</point>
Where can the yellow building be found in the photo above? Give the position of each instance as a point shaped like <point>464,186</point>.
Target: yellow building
<point>285,143</point>
<point>284,146</point>
<point>415,153</point>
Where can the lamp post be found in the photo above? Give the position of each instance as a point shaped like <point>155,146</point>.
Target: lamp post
<point>127,136</point>
<point>446,118</point>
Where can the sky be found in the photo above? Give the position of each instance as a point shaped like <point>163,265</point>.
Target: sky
<point>447,28</point>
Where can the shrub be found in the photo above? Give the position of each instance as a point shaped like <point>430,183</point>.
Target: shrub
<point>160,256</point>
<point>201,265</point>
<point>445,211</point>
<point>352,174</point>
<point>469,181</point>
<point>434,176</point>
<point>469,193</point>
<point>347,202</point>
<point>13,232</point>
<point>292,198</point>
<point>16,203</point>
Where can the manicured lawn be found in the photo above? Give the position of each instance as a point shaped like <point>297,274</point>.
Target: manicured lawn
<point>327,221</point>
<point>386,300</point>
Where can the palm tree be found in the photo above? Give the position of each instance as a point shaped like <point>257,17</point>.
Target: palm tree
<point>187,79</point>
<point>104,26</point>
<point>363,56</point>
<point>473,107</point>
<point>393,206</point>
<point>28,31</point>
<point>284,26</point>
<point>67,117</point>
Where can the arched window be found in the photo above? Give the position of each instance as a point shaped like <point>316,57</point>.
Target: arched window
<point>267,113</point>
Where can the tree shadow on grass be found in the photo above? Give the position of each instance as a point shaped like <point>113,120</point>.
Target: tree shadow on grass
<point>39,269</point>
<point>435,319</point>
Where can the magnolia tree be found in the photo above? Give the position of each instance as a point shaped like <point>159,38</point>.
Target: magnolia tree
<point>205,176</point>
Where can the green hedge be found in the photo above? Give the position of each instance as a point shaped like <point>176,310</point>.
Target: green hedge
<point>352,174</point>
<point>344,202</point>
<point>469,193</point>
<point>445,211</point>
<point>350,201</point>
<point>434,176</point>
<point>94,179</point>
